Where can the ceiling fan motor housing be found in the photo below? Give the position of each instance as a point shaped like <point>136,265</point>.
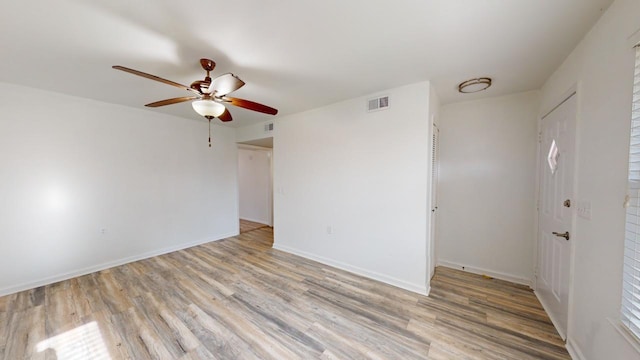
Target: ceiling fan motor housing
<point>201,85</point>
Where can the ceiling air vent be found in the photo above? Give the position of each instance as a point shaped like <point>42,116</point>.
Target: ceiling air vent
<point>268,127</point>
<point>380,103</point>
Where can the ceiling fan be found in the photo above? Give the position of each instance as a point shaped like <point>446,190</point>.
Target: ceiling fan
<point>209,96</point>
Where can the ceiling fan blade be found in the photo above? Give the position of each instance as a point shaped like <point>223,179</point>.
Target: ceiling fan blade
<point>171,101</point>
<point>225,84</point>
<point>226,116</point>
<point>251,105</point>
<point>153,77</point>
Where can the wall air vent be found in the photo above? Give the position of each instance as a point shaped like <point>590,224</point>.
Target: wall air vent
<point>380,103</point>
<point>268,127</point>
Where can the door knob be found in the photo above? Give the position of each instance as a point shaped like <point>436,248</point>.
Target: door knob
<point>564,235</point>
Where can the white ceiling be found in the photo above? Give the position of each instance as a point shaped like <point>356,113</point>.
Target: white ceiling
<point>294,55</point>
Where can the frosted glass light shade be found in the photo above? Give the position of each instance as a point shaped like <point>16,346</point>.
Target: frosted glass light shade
<point>208,108</point>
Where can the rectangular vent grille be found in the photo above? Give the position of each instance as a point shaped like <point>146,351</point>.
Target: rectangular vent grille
<point>380,103</point>
<point>268,127</point>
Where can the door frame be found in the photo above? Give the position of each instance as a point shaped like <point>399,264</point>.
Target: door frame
<point>269,152</point>
<point>433,198</point>
<point>574,90</point>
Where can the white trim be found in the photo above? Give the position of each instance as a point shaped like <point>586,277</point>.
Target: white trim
<point>432,228</point>
<point>107,265</point>
<point>416,288</point>
<point>236,190</point>
<point>553,319</point>
<point>574,351</point>
<point>577,88</point>
<point>480,271</point>
<point>626,334</point>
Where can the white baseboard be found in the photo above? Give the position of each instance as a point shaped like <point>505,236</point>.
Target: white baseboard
<point>416,288</point>
<point>107,265</point>
<point>480,271</point>
<point>574,351</point>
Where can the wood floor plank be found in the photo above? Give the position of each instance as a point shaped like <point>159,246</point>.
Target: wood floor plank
<point>130,334</point>
<point>370,285</point>
<point>199,353</point>
<point>26,330</point>
<point>156,345</point>
<point>60,313</point>
<point>288,328</point>
<point>90,289</point>
<point>216,337</point>
<point>185,339</point>
<point>528,327</point>
<point>238,298</point>
<point>111,338</point>
<point>5,301</point>
<point>4,327</point>
<point>340,347</point>
<point>261,343</point>
<point>451,347</point>
<point>364,328</point>
<point>247,226</point>
<point>114,294</point>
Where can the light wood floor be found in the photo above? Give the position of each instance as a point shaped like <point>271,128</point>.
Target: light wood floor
<point>240,299</point>
<point>246,226</point>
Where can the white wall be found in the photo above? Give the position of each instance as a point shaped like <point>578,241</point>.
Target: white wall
<point>253,132</point>
<point>72,166</point>
<point>486,192</point>
<point>602,68</point>
<point>254,184</point>
<point>362,174</point>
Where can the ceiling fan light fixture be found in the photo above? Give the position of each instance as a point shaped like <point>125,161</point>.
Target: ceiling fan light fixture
<point>474,85</point>
<point>208,108</point>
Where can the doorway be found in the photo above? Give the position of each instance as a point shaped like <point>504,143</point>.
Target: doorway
<point>555,211</point>
<point>255,189</point>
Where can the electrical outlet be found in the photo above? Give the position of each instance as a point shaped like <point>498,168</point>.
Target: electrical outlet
<point>329,230</point>
<point>104,231</point>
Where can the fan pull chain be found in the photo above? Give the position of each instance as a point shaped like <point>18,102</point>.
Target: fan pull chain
<point>209,132</point>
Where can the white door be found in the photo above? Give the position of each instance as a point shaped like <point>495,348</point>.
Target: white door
<point>555,211</point>
<point>434,197</point>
